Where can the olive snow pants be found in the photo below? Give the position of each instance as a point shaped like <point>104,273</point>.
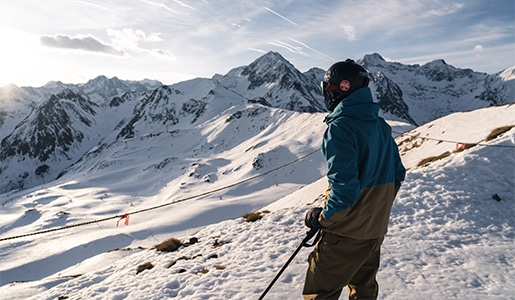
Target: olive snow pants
<point>339,261</point>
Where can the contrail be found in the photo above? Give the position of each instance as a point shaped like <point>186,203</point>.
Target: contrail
<point>282,17</point>
<point>289,47</point>
<point>94,5</point>
<point>312,49</point>
<point>160,5</point>
<point>257,50</point>
<point>183,4</point>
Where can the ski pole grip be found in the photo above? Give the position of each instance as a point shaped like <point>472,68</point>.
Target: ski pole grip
<point>309,235</point>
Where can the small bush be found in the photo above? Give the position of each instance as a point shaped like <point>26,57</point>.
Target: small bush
<point>143,267</point>
<point>498,131</point>
<point>252,216</point>
<point>255,215</point>
<point>428,160</point>
<point>202,271</point>
<point>411,141</point>
<point>170,245</point>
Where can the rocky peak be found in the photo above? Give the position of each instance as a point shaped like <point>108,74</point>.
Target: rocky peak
<point>439,70</point>
<point>268,68</point>
<point>374,59</point>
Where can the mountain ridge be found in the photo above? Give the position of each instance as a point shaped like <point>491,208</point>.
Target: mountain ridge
<point>104,111</point>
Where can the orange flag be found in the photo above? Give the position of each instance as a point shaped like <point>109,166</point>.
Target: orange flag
<point>126,217</point>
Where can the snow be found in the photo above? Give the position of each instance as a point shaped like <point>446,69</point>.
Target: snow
<point>508,74</point>
<point>448,237</point>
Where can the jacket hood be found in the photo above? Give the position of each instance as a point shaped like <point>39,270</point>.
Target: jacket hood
<point>358,105</point>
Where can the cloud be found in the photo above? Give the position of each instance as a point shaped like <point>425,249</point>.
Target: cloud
<point>122,41</point>
<point>130,38</point>
<point>349,32</point>
<point>445,9</point>
<point>160,53</point>
<point>478,49</point>
<point>85,43</point>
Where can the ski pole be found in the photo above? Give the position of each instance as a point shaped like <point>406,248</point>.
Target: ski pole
<point>311,233</point>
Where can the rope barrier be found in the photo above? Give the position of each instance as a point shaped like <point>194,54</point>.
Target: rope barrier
<point>453,142</point>
<point>162,205</point>
<point>220,189</point>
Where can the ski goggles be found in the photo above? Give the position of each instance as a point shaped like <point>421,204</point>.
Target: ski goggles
<point>327,87</point>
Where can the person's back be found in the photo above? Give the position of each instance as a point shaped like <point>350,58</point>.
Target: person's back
<point>363,171</point>
<point>364,175</point>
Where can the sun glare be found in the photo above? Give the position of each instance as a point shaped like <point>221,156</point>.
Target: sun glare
<point>18,55</point>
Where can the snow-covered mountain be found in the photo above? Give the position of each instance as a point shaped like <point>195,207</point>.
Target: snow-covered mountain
<point>420,94</point>
<point>451,225</point>
<point>186,161</point>
<point>46,131</point>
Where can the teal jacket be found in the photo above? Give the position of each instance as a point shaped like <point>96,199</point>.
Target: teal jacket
<point>364,168</point>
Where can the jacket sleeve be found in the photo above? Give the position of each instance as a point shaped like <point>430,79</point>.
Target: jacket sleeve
<point>341,156</point>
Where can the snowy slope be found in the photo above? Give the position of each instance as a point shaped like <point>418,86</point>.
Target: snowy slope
<point>448,237</point>
<point>46,131</point>
<point>448,134</point>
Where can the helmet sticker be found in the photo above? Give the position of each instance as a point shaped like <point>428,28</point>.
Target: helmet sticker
<point>345,85</point>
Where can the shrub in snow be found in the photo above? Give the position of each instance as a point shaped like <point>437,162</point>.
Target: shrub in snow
<point>143,267</point>
<point>426,161</point>
<point>498,131</point>
<point>254,216</point>
<point>202,271</point>
<point>169,245</point>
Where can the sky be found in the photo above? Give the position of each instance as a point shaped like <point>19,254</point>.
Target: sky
<point>175,40</point>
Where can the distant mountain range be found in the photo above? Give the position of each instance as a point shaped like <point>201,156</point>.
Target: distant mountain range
<point>46,130</point>
<point>419,94</point>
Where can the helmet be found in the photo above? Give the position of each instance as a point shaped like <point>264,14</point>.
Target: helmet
<point>340,80</point>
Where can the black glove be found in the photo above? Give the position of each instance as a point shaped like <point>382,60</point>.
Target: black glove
<point>311,219</point>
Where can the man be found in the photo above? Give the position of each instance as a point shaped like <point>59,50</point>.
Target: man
<point>364,173</point>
